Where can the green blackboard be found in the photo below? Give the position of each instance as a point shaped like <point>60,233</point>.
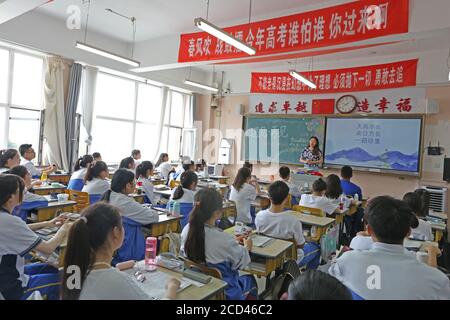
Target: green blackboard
<point>263,134</point>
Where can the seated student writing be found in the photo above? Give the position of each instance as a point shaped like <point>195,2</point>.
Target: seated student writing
<point>128,164</point>
<point>123,184</point>
<point>243,191</point>
<point>17,239</point>
<point>76,181</point>
<point>401,275</point>
<point>202,242</point>
<point>28,154</point>
<point>317,285</point>
<point>144,172</point>
<point>423,231</point>
<point>28,197</point>
<point>285,175</point>
<point>96,180</point>
<point>136,155</point>
<point>92,242</point>
<point>9,159</point>
<point>348,187</point>
<point>318,200</point>
<point>276,222</point>
<point>183,196</point>
<point>97,156</point>
<point>164,166</point>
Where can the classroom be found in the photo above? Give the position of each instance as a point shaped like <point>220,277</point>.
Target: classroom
<point>199,150</point>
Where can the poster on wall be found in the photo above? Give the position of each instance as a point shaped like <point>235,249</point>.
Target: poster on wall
<point>346,23</point>
<point>393,101</point>
<point>376,77</point>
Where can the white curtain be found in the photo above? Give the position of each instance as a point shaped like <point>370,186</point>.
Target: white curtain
<point>164,101</point>
<point>89,84</point>
<point>55,87</point>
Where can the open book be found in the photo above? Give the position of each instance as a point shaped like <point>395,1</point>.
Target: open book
<point>261,241</point>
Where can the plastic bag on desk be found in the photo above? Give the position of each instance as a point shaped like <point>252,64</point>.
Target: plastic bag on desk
<point>328,243</point>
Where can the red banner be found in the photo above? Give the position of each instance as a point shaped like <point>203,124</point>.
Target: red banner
<point>378,77</point>
<point>351,22</point>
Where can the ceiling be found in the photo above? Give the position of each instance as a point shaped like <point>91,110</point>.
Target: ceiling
<point>159,18</point>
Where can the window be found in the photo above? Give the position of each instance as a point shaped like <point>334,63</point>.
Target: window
<point>21,99</point>
<point>178,127</point>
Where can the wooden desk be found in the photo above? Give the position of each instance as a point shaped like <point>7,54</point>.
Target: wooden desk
<point>192,292</point>
<point>138,197</point>
<point>60,177</point>
<point>163,193</point>
<point>321,223</point>
<point>438,231</point>
<point>46,190</point>
<point>157,181</point>
<point>50,212</point>
<point>422,244</point>
<point>220,179</point>
<point>165,222</point>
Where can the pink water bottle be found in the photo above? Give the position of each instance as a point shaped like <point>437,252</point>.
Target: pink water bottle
<point>150,253</point>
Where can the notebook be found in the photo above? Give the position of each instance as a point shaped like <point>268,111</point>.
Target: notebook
<point>261,241</point>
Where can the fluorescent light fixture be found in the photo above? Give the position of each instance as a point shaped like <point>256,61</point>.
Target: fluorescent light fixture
<point>224,36</point>
<point>298,76</point>
<point>201,85</point>
<point>106,54</point>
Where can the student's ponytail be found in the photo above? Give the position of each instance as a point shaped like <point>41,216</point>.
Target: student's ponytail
<point>83,162</point>
<point>94,170</point>
<point>86,237</point>
<point>207,202</point>
<point>142,168</point>
<point>119,181</point>
<point>187,179</point>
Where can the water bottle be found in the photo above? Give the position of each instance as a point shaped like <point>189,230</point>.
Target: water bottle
<point>356,197</point>
<point>150,253</point>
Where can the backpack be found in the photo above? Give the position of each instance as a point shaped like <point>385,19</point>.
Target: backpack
<point>290,272</point>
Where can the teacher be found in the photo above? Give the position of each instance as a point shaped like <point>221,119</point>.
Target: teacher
<point>312,156</point>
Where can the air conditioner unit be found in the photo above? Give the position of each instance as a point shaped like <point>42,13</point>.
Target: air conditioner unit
<point>438,198</point>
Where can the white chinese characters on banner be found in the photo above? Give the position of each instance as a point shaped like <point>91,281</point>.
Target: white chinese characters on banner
<point>392,101</point>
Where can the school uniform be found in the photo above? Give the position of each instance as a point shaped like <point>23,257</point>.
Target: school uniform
<point>243,199</point>
<point>361,243</point>
<point>96,186</point>
<point>111,284</point>
<point>76,181</point>
<point>147,187</point>
<point>224,253</point>
<point>188,196</point>
<point>293,189</point>
<point>350,189</point>
<point>31,168</point>
<point>164,169</point>
<point>327,205</point>
<point>281,225</point>
<point>16,241</point>
<point>423,231</point>
<point>387,272</point>
<point>133,210</point>
<point>178,174</point>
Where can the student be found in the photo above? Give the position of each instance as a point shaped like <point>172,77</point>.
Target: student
<point>92,242</point>
<point>425,199</point>
<point>202,242</point>
<point>97,156</point>
<point>285,175</point>
<point>395,275</point>
<point>76,181</point>
<point>129,164</point>
<point>250,167</point>
<point>185,192</point>
<point>96,179</point>
<point>423,231</point>
<point>200,166</point>
<point>28,154</point>
<point>276,222</point>
<point>136,155</point>
<point>9,158</point>
<point>348,187</point>
<point>123,184</point>
<point>318,200</point>
<point>243,191</point>
<point>188,166</point>
<point>317,285</point>
<point>164,166</point>
<point>28,197</point>
<point>17,239</point>
<point>143,172</point>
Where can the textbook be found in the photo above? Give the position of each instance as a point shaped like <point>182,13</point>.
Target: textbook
<point>261,241</point>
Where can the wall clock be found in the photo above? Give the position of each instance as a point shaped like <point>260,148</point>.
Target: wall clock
<point>346,104</point>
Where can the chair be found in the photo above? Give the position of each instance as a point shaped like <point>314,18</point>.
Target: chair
<point>22,211</point>
<point>183,209</point>
<point>174,183</point>
<point>312,211</point>
<point>133,246</point>
<point>94,198</point>
<point>75,184</point>
<point>81,198</point>
<point>210,271</point>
